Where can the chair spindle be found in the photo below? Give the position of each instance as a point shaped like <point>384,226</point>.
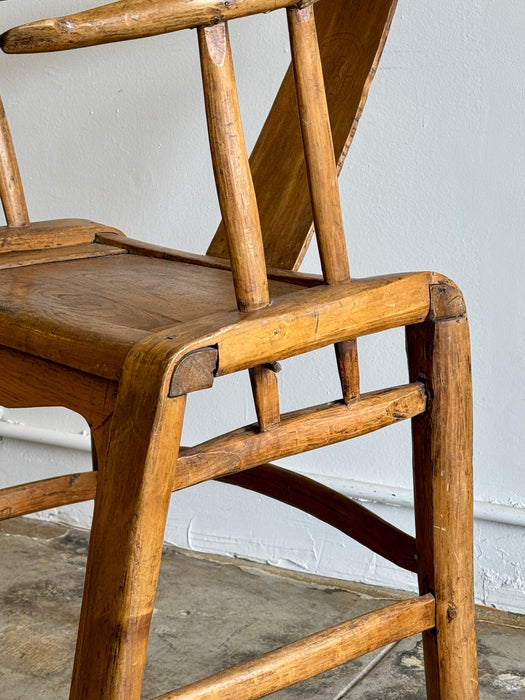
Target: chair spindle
<point>11,190</point>
<point>237,198</point>
<point>322,173</point>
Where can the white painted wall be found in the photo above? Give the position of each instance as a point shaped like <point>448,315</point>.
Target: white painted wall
<point>434,180</point>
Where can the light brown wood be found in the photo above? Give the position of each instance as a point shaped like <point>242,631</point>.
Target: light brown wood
<point>298,491</point>
<point>121,331</point>
<point>29,381</point>
<point>232,171</point>
<point>127,533</point>
<point>348,368</point>
<point>312,655</point>
<point>83,251</point>
<point>298,431</point>
<point>47,493</point>
<point>237,198</point>
<point>332,508</point>
<point>127,19</point>
<point>439,353</point>
<point>11,190</point>
<point>301,279</point>
<point>106,303</point>
<point>351,35</point>
<point>318,146</point>
<point>107,321</point>
<point>318,317</point>
<point>321,172</point>
<point>265,390</point>
<point>40,235</point>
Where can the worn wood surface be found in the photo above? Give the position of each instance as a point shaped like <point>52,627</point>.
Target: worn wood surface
<point>439,354</point>
<point>301,279</point>
<point>237,198</point>
<point>298,431</point>
<point>127,533</point>
<point>318,146</point>
<point>196,371</point>
<point>41,235</point>
<point>82,251</point>
<point>232,171</point>
<point>332,508</point>
<point>29,381</point>
<point>321,172</point>
<point>312,655</point>
<point>11,190</point>
<point>120,331</point>
<point>46,493</point>
<point>351,36</point>
<point>128,19</point>
<point>88,313</point>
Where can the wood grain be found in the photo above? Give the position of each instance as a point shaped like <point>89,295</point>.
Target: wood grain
<point>40,495</point>
<point>312,655</point>
<point>237,198</point>
<point>11,190</point>
<point>439,354</point>
<point>128,19</point>
<point>121,331</point>
<point>321,173</point>
<point>40,235</point>
<point>127,533</point>
<point>351,36</point>
<point>82,251</point>
<point>299,431</point>
<point>232,171</point>
<point>301,279</point>
<point>347,516</point>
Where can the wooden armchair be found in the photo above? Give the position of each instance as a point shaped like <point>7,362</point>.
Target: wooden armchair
<point>81,326</point>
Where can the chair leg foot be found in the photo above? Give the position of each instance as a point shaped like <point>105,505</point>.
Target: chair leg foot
<point>133,493</point>
<point>439,354</point>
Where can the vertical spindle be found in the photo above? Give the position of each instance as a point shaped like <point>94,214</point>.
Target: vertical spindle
<point>322,172</point>
<point>237,198</point>
<point>11,190</point>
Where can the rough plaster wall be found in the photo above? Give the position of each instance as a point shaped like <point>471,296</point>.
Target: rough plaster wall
<point>433,181</point>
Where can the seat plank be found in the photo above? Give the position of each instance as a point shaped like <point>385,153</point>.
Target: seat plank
<point>88,313</point>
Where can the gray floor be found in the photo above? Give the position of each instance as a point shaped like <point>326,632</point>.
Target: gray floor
<point>210,615</point>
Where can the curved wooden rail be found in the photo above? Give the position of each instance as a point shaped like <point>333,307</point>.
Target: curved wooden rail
<point>128,19</point>
<point>332,508</point>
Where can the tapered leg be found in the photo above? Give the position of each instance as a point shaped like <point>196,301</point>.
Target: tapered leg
<point>439,355</point>
<point>133,492</point>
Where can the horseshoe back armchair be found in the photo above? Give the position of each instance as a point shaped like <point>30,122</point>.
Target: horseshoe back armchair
<point>121,331</point>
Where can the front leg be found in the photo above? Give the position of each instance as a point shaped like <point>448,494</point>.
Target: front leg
<point>133,493</point>
<point>439,355</point>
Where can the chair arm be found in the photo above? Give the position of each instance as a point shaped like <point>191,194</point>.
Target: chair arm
<point>128,19</point>
<point>295,323</point>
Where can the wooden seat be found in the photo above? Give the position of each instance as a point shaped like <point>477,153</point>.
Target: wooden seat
<point>95,300</point>
<point>121,331</point>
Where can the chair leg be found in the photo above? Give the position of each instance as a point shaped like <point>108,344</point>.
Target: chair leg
<point>133,492</point>
<point>439,355</point>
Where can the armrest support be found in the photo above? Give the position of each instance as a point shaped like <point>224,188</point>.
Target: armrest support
<point>128,19</point>
<point>296,323</point>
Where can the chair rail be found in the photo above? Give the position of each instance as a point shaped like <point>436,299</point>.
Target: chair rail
<point>129,19</point>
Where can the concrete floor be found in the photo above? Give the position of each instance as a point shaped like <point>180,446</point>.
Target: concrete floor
<point>210,615</point>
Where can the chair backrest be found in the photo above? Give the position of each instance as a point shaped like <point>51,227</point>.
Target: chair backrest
<point>299,153</point>
<point>232,173</point>
<point>351,34</point>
